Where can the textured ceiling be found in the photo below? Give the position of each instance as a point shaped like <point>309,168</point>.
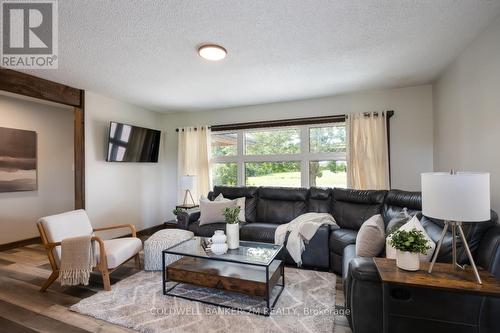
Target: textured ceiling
<point>144,52</point>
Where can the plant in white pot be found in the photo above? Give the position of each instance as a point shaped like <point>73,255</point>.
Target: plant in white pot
<point>408,245</point>
<point>232,226</point>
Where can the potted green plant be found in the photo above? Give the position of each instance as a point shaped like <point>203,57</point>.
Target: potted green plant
<point>232,226</point>
<point>176,211</point>
<point>408,245</point>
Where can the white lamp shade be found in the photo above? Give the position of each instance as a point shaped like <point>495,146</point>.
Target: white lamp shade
<point>187,182</point>
<point>464,196</point>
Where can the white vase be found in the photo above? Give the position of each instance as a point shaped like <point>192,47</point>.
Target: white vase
<point>233,235</point>
<point>218,237</point>
<point>407,260</point>
<point>218,248</point>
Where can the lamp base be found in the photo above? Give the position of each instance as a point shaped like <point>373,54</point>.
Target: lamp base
<point>185,198</point>
<point>455,226</point>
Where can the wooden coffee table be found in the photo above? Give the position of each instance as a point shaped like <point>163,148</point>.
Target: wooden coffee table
<point>252,269</point>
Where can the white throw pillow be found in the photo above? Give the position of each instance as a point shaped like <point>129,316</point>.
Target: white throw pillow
<point>211,211</point>
<point>239,202</point>
<point>414,223</point>
<point>371,237</point>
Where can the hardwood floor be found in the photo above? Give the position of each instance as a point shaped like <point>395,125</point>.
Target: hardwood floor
<point>24,309</point>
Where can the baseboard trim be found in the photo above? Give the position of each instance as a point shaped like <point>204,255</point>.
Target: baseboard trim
<point>37,240</point>
<point>20,243</point>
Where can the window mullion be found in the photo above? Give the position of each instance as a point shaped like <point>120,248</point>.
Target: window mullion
<point>304,156</point>
<point>240,161</point>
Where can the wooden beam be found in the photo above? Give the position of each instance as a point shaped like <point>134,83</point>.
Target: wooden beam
<point>79,160</point>
<point>32,86</point>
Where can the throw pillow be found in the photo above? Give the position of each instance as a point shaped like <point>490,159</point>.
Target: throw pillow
<point>414,223</point>
<point>211,211</point>
<point>239,202</point>
<point>371,237</point>
<point>398,221</point>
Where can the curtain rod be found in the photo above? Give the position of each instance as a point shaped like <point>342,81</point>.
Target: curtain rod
<point>182,129</point>
<point>283,122</point>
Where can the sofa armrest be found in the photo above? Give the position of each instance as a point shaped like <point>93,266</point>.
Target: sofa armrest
<point>363,290</point>
<point>364,269</point>
<point>185,218</point>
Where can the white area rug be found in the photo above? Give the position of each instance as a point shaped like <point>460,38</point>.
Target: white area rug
<point>307,304</point>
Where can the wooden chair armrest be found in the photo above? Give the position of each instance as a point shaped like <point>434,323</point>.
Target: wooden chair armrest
<point>50,246</point>
<point>130,226</point>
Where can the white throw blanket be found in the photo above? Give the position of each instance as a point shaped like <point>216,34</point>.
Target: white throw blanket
<point>301,229</point>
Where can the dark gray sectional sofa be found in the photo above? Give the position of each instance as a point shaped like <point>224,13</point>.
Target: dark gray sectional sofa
<point>334,249</point>
<point>329,249</point>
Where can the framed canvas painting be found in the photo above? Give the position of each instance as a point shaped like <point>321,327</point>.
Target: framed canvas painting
<point>18,160</point>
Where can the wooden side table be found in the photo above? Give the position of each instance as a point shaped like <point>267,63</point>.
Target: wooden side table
<point>447,300</point>
<point>187,206</point>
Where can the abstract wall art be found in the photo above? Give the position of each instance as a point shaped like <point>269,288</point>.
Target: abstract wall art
<point>18,160</point>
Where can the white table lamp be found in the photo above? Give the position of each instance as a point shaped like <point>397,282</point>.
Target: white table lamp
<point>456,197</point>
<point>187,184</point>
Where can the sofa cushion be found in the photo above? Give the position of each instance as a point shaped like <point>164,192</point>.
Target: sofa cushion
<point>340,238</point>
<point>320,200</point>
<point>206,230</point>
<point>281,205</point>
<point>258,232</point>
<point>396,200</point>
<point>250,193</point>
<point>353,207</point>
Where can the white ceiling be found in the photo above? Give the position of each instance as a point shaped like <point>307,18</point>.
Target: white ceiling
<point>144,52</point>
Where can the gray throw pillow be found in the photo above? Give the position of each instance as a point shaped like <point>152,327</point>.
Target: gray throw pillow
<point>370,240</point>
<point>211,211</point>
<point>398,221</point>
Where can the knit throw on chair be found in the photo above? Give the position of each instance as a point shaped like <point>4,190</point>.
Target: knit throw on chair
<point>77,260</point>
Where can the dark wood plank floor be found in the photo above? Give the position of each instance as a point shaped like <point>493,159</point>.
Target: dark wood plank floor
<point>24,309</point>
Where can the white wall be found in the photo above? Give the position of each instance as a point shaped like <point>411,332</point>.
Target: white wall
<point>467,111</point>
<point>120,193</point>
<point>19,211</point>
<point>411,127</point>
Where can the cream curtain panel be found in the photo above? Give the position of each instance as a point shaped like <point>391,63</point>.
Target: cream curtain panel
<point>194,159</point>
<point>367,152</point>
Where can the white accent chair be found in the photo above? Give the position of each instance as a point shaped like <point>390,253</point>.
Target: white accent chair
<point>110,253</point>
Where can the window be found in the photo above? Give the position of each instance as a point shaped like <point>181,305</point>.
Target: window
<point>224,144</point>
<point>328,173</point>
<point>277,141</point>
<point>225,174</point>
<point>291,156</point>
<point>331,139</point>
<point>286,174</point>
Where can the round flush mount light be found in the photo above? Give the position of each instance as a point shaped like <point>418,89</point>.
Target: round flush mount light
<point>212,52</point>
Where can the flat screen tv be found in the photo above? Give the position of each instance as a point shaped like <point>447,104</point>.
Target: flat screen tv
<point>129,143</point>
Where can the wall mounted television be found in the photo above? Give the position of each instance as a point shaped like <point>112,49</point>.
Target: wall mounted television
<point>127,143</point>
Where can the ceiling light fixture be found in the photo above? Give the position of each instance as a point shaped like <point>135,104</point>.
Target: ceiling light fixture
<point>212,52</point>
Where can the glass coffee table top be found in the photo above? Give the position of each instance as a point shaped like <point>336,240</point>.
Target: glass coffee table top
<point>252,253</point>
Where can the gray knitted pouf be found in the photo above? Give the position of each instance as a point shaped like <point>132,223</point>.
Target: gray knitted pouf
<point>160,241</point>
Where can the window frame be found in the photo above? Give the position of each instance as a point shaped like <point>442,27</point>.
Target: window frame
<point>304,157</point>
